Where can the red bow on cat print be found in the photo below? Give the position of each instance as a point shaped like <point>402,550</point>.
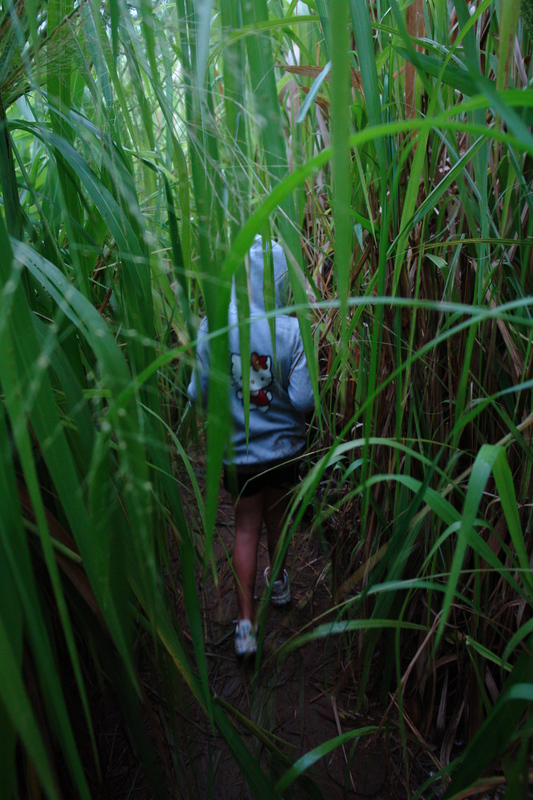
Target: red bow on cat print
<point>258,362</point>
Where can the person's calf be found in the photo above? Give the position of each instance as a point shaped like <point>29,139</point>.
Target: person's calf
<point>248,524</point>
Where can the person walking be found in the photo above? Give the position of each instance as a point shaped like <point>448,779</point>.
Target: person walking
<point>259,473</point>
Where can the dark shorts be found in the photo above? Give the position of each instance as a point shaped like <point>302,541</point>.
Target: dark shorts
<point>276,475</point>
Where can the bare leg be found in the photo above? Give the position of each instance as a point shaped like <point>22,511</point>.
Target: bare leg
<point>248,524</point>
<point>275,505</point>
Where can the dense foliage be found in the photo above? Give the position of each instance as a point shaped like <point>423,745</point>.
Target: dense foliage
<point>143,145</point>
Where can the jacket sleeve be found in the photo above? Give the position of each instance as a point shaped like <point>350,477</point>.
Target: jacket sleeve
<point>200,374</point>
<point>300,389</point>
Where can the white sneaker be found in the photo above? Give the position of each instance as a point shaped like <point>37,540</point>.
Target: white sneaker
<point>245,639</point>
<point>281,589</point>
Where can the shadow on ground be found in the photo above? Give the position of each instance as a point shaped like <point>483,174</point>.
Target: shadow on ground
<point>301,698</point>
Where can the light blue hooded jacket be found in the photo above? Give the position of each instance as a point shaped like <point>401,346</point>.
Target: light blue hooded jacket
<point>280,388</point>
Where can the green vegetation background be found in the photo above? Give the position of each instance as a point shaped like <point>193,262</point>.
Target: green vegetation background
<point>388,146</point>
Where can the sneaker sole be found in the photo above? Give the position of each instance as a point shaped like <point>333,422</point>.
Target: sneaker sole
<point>280,601</point>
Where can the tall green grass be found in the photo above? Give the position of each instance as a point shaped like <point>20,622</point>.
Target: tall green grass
<point>143,146</point>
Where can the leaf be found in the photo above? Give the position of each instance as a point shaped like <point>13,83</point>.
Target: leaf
<point>313,91</point>
<point>492,739</point>
<point>16,702</point>
<point>450,74</point>
<point>310,758</point>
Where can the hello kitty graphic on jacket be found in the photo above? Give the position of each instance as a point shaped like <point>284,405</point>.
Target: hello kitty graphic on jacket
<point>260,377</point>
<point>280,388</point>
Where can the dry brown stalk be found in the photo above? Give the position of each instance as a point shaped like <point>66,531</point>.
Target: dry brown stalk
<point>416,28</point>
<point>314,72</point>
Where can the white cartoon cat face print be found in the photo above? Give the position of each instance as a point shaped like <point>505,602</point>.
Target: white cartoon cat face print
<point>260,377</point>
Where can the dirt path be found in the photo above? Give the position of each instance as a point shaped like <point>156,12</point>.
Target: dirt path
<point>305,698</point>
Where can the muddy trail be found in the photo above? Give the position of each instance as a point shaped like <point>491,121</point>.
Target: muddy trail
<point>302,698</point>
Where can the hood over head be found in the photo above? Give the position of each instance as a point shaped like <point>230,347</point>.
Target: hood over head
<point>257,277</point>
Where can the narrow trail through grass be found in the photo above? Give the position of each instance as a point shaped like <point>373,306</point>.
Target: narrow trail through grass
<point>301,700</point>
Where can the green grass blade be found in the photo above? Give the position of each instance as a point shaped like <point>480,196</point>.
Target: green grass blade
<point>310,758</point>
<point>16,702</point>
<point>481,471</point>
<point>341,162</point>
<point>492,739</point>
<point>509,16</point>
<point>504,484</point>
